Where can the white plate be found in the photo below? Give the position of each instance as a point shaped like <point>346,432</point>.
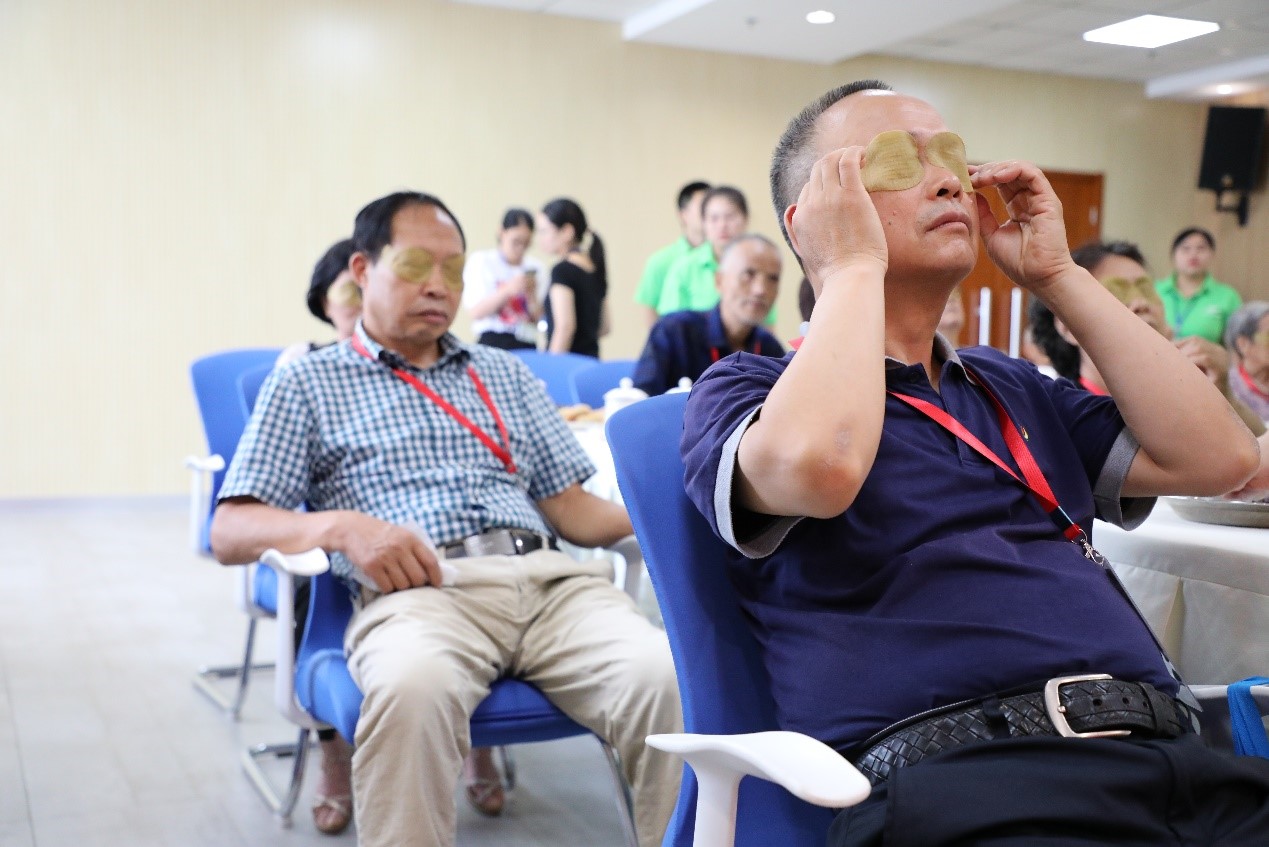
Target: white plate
<point>1220,511</point>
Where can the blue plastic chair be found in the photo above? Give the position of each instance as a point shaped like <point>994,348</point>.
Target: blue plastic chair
<point>589,384</point>
<point>217,388</point>
<point>723,684</point>
<point>318,691</point>
<point>554,369</point>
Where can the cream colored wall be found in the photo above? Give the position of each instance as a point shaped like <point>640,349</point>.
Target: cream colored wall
<point>173,169</point>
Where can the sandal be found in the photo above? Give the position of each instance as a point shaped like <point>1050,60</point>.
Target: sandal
<point>332,815</point>
<point>486,796</point>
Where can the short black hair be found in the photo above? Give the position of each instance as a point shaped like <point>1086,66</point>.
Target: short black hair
<point>513,218</point>
<point>1089,256</point>
<point>793,157</point>
<point>735,195</point>
<point>1193,230</point>
<point>687,192</point>
<point>328,268</point>
<point>1063,355</point>
<point>372,230</point>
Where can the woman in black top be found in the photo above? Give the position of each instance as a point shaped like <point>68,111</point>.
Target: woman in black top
<point>576,313</point>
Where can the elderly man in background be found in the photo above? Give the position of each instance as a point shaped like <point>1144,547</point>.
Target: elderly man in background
<point>431,469</point>
<point>683,344</point>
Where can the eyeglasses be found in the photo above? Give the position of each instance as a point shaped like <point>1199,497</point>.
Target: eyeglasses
<point>414,264</point>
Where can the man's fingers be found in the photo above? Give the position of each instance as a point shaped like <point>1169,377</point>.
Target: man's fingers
<point>849,168</point>
<point>425,568</point>
<point>987,225</point>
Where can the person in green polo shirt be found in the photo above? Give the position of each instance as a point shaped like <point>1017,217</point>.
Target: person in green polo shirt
<point>689,283</point>
<point>648,294</point>
<point>1194,302</point>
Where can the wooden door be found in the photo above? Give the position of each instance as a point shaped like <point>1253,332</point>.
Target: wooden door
<point>1081,196</point>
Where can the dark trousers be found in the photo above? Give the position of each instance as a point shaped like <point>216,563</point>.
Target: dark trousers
<point>504,341</point>
<point>1043,791</point>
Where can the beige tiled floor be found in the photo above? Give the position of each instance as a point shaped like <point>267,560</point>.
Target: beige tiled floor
<point>104,615</point>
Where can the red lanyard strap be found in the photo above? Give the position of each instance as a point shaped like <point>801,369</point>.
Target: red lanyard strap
<point>1034,481</point>
<point>714,354</point>
<point>502,451</point>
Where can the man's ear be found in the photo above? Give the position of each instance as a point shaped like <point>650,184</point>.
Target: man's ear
<point>788,227</point>
<point>359,264</point>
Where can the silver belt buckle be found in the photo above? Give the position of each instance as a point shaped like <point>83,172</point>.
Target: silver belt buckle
<point>495,542</point>
<point>1057,712</point>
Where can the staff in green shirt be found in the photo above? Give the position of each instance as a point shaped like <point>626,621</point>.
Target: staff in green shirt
<point>648,294</point>
<point>1194,302</point>
<point>689,283</point>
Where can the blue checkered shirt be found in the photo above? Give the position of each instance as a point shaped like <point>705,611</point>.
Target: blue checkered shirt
<point>335,430</point>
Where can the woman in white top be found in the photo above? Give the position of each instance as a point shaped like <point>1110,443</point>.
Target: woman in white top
<point>500,287</point>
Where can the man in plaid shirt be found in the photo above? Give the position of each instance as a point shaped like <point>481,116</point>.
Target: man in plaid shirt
<point>403,428</point>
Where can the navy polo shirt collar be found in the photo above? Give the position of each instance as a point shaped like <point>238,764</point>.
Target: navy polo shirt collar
<point>943,351</point>
<point>716,333</point>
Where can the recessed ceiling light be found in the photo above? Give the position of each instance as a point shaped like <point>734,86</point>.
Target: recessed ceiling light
<point>822,16</point>
<point>1150,31</point>
<point>1224,89</point>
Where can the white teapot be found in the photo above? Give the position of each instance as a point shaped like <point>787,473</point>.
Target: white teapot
<point>622,396</point>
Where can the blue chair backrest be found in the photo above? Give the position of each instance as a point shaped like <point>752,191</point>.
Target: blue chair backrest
<point>589,384</point>
<point>723,684</point>
<point>554,370</point>
<point>215,379</point>
<point>249,383</point>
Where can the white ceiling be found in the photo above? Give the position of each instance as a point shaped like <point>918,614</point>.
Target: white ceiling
<point>1030,35</point>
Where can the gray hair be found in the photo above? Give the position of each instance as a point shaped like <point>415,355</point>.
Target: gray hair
<point>1244,322</point>
<point>740,239</point>
<point>794,155</point>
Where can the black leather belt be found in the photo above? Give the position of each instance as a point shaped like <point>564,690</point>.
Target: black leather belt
<point>497,542</point>
<point>1090,706</point>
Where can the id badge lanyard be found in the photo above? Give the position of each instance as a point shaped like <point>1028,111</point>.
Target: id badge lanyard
<point>1033,480</point>
<point>501,449</point>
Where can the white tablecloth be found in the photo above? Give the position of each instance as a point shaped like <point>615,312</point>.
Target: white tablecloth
<point>604,482</point>
<point>1204,589</point>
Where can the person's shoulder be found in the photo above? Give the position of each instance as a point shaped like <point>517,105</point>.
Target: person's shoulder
<point>747,366</point>
<point>681,319</point>
<point>1168,283</point>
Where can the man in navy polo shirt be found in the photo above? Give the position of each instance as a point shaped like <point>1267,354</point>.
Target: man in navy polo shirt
<point>905,519</point>
<point>684,344</point>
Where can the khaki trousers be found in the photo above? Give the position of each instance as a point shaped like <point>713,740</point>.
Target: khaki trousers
<point>425,658</point>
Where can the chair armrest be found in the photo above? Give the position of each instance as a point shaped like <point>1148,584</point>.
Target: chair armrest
<point>289,567</point>
<point>1214,718</point>
<point>200,470</point>
<point>806,768</point>
<point>628,549</point>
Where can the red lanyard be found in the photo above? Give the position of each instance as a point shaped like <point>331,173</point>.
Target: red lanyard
<point>502,451</point>
<point>1034,481</point>
<point>713,351</point>
<point>1092,387</point>
<point>1250,383</point>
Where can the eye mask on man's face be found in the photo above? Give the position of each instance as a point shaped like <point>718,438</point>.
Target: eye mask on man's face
<point>344,293</point>
<point>1128,291</point>
<point>893,163</point>
<point>414,264</point>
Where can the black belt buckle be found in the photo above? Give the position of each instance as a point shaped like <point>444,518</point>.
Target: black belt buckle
<point>1057,712</point>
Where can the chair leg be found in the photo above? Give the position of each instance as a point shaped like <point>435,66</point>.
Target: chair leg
<point>625,801</point>
<point>282,804</point>
<point>508,767</point>
<point>206,677</point>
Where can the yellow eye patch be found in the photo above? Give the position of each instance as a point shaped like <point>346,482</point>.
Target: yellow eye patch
<point>344,292</point>
<point>893,163</point>
<point>1128,291</point>
<point>414,264</point>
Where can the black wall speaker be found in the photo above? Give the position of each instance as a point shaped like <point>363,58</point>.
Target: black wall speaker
<point>1231,148</point>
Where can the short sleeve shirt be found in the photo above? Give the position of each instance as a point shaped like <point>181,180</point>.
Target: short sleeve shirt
<point>689,282</point>
<point>649,291</point>
<point>335,430</point>
<point>588,304</point>
<point>1204,314</point>
<point>684,344</point>
<point>944,580</point>
<point>484,272</point>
